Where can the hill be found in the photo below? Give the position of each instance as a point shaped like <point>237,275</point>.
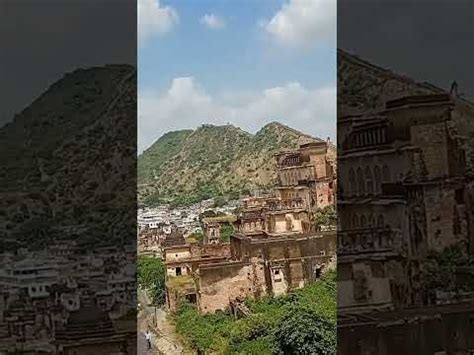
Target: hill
<point>363,86</point>
<point>68,167</point>
<point>189,166</point>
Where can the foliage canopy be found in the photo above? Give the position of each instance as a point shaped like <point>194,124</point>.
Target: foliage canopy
<point>303,322</point>
<point>151,275</point>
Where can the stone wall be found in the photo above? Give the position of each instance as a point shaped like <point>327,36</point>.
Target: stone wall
<point>177,253</point>
<point>218,285</point>
<point>448,333</point>
<point>440,206</point>
<point>271,266</point>
<point>291,175</point>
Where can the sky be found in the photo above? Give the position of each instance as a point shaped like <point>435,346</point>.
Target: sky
<point>241,61</point>
<point>43,40</point>
<point>246,62</point>
<point>427,40</point>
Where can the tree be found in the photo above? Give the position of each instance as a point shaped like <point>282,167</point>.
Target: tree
<point>151,275</point>
<point>303,331</point>
<point>326,216</point>
<point>439,271</point>
<point>226,231</point>
<point>303,322</point>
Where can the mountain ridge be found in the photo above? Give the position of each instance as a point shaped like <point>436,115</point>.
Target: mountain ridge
<point>68,160</point>
<point>213,160</point>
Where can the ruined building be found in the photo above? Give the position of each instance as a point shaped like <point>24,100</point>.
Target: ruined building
<point>308,173</point>
<point>275,246</point>
<point>152,241</point>
<point>405,193</point>
<point>212,227</point>
<point>405,158</point>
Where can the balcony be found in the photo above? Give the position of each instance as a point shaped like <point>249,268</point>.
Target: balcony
<point>287,204</point>
<point>370,241</point>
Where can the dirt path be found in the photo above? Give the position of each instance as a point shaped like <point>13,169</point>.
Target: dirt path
<point>164,339</point>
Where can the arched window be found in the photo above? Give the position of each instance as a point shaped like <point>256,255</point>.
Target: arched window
<point>378,180</point>
<point>369,182</point>
<point>380,221</point>
<point>385,174</point>
<point>352,182</point>
<point>371,221</point>
<point>363,222</point>
<point>360,181</point>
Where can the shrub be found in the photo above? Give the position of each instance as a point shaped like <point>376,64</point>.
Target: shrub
<point>302,331</point>
<point>303,322</point>
<point>226,232</point>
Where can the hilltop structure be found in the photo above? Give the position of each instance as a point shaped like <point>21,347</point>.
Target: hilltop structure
<point>275,247</point>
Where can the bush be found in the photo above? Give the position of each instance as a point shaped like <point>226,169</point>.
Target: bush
<point>197,236</point>
<point>439,272</point>
<point>303,322</point>
<point>262,346</point>
<point>326,216</point>
<point>226,232</point>
<point>201,332</point>
<point>302,331</point>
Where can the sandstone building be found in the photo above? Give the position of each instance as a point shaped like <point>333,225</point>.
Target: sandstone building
<point>308,173</point>
<point>405,193</point>
<point>212,227</point>
<point>405,159</point>
<point>275,246</point>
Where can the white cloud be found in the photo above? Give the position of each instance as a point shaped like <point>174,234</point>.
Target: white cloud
<point>212,21</point>
<point>187,105</point>
<point>154,19</point>
<point>304,23</point>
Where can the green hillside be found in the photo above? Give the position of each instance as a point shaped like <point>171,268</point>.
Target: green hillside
<point>151,161</point>
<point>189,166</point>
<point>68,166</point>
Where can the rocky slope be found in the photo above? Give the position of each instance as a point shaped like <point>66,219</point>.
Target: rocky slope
<point>187,166</point>
<point>68,166</point>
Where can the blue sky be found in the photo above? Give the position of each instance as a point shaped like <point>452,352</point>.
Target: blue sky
<point>246,62</point>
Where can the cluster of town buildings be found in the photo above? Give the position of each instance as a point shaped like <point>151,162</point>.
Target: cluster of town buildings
<point>67,300</point>
<point>405,165</point>
<point>158,225</point>
<point>275,246</point>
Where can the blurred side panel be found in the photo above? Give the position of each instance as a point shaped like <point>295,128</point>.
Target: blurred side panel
<point>405,168</point>
<point>68,177</point>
